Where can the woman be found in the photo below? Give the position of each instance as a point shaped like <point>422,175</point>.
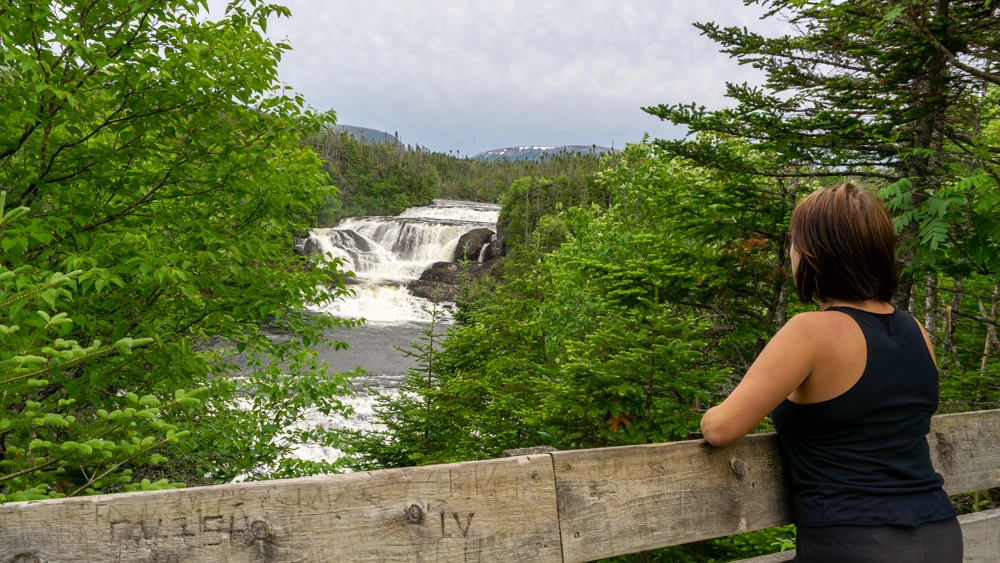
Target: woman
<point>851,389</point>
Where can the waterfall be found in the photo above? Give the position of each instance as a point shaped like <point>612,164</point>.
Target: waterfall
<point>486,248</point>
<point>359,254</point>
<point>459,210</point>
<point>385,253</point>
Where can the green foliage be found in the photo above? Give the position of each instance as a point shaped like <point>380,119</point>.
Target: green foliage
<point>898,94</point>
<point>532,202</point>
<point>159,168</point>
<point>731,548</point>
<point>550,233</point>
<point>371,178</point>
<point>53,448</point>
<point>635,378</point>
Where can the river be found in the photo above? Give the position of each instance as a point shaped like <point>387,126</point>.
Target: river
<point>385,253</point>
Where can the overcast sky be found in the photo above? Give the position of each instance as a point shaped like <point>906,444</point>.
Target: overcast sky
<point>473,76</point>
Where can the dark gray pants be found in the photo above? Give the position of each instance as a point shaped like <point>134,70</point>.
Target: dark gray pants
<point>934,542</point>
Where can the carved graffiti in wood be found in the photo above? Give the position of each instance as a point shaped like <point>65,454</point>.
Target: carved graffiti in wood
<point>212,530</point>
<point>464,529</point>
<point>468,523</point>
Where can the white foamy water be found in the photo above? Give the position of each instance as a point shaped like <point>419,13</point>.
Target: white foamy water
<point>363,419</point>
<point>387,252</point>
<point>460,210</point>
<point>379,302</point>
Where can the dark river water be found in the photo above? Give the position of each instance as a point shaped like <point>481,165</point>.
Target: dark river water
<point>374,347</point>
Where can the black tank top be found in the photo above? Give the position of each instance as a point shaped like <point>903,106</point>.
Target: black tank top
<point>862,457</point>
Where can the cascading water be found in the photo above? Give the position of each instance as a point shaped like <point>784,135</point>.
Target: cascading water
<point>486,247</point>
<point>387,252</point>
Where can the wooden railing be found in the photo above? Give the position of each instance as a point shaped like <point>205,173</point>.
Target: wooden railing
<point>563,506</point>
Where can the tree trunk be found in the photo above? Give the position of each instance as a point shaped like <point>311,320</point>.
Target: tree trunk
<point>991,330</point>
<point>779,300</point>
<point>783,307</point>
<point>931,307</point>
<point>949,339</point>
<point>901,298</point>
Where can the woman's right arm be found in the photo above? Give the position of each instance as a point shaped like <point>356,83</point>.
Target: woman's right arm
<point>783,365</point>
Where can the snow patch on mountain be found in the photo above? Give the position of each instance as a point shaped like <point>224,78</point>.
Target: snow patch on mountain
<point>535,152</point>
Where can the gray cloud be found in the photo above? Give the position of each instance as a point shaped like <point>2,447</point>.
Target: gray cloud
<point>473,76</point>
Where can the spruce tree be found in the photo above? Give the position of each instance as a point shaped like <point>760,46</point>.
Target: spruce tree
<point>892,92</point>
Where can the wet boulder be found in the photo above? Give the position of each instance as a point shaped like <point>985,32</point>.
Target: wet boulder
<point>308,245</point>
<point>471,243</point>
<point>497,248</point>
<point>442,281</point>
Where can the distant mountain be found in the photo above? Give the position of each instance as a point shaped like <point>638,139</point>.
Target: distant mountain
<point>368,135</point>
<point>534,153</point>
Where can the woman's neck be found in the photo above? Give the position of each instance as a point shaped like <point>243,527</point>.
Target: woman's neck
<point>870,305</point>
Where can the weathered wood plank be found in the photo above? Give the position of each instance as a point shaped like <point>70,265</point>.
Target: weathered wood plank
<point>495,510</point>
<point>965,449</point>
<point>980,536</point>
<point>783,557</point>
<point>614,501</point>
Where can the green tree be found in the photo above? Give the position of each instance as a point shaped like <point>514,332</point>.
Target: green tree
<point>415,426</point>
<point>155,152</point>
<point>884,90</point>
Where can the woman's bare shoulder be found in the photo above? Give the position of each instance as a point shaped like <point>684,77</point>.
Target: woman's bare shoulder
<point>821,322</point>
<point>824,335</point>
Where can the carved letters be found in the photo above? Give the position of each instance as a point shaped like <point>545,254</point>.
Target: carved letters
<point>190,531</point>
<point>463,529</point>
<point>468,523</point>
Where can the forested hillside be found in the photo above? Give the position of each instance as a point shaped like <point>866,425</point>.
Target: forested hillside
<point>385,178</point>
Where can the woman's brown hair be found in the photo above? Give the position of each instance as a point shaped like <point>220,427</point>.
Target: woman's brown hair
<point>847,245</point>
